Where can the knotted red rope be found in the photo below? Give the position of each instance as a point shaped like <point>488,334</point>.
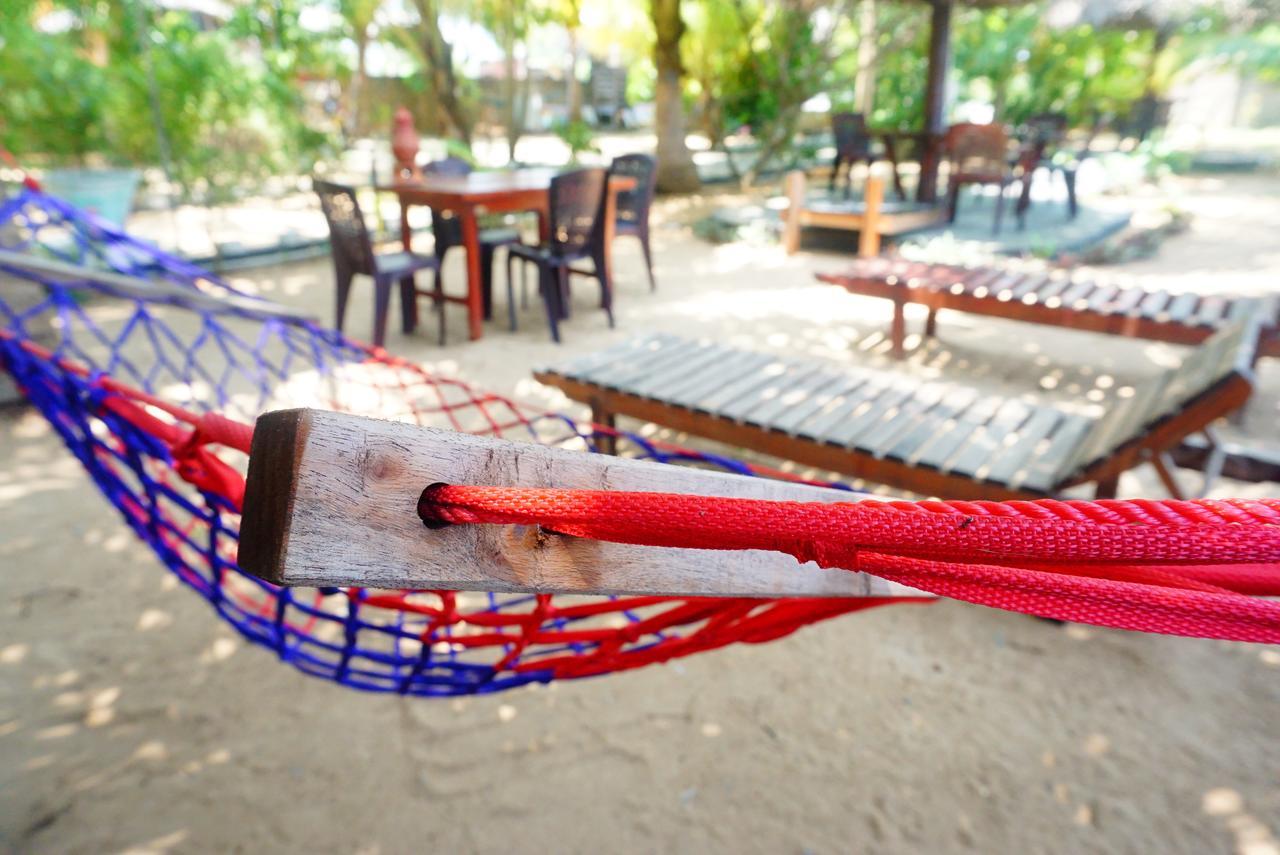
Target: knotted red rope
<point>1181,568</point>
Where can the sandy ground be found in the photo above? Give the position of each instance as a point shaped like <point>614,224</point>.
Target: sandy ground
<point>132,720</point>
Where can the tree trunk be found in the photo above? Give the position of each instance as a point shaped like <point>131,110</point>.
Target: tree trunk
<point>864,85</point>
<point>511,96</point>
<point>575,87</point>
<point>770,148</point>
<point>676,172</point>
<point>437,56</point>
<point>356,90</point>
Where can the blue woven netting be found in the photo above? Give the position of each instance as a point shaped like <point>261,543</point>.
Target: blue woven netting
<point>83,350</point>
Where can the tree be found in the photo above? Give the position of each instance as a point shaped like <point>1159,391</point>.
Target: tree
<point>568,14</point>
<point>676,172</point>
<point>509,21</point>
<point>358,15</point>
<point>758,63</point>
<point>191,98</point>
<point>426,41</point>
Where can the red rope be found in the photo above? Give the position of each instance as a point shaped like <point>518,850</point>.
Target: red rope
<point>1182,568</point>
<point>1192,568</point>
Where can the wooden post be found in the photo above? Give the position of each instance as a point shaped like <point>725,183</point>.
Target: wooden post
<point>475,277</point>
<point>898,330</point>
<point>1107,487</point>
<point>603,416</point>
<point>795,209</point>
<point>931,323</point>
<point>331,499</point>
<point>873,203</point>
<point>1164,465</point>
<point>935,104</point>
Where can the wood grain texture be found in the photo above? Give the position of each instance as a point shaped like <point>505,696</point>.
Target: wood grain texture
<point>331,500</point>
<point>936,439</point>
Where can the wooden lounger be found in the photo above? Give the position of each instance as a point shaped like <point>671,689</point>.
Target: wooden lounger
<point>936,438</point>
<point>1054,298</point>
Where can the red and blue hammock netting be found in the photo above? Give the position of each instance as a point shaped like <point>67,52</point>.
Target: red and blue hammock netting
<point>153,381</point>
<point>116,374</point>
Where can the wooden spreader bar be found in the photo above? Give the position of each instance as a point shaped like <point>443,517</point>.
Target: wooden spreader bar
<point>331,500</point>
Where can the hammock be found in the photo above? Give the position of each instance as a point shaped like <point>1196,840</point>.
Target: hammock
<point>153,384</point>
<point>125,372</point>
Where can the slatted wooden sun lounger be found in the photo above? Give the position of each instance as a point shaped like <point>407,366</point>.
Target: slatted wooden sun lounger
<point>936,438</point>
<point>1054,298</point>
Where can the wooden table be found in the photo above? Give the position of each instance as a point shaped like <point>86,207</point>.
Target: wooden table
<point>472,196</point>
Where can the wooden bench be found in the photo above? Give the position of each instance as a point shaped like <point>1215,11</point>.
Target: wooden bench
<point>1053,298</point>
<point>872,217</point>
<point>931,437</point>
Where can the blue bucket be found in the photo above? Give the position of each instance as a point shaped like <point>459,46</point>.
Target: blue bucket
<point>106,192</point>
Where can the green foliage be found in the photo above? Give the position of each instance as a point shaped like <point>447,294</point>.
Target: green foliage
<point>902,45</point>
<point>758,61</point>
<point>1012,59</point>
<point>127,79</point>
<point>577,135</point>
<point>50,92</point>
<point>753,65</point>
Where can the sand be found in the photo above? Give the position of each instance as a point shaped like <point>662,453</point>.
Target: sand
<point>131,719</point>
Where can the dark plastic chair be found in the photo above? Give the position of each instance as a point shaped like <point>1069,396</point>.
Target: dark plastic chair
<point>576,229</point>
<point>979,154</point>
<point>853,146</point>
<point>447,230</point>
<point>632,209</point>
<point>1043,138</point>
<point>352,252</point>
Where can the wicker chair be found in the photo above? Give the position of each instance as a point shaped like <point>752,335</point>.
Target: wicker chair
<point>576,234</point>
<point>632,209</point>
<point>352,252</point>
<point>447,230</point>
<point>978,154</point>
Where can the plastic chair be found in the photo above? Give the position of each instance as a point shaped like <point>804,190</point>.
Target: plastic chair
<point>978,154</point>
<point>352,252</point>
<point>632,209</point>
<point>576,234</point>
<point>447,230</point>
<point>853,145</point>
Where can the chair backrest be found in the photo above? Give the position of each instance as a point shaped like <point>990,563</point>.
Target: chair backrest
<point>852,139</point>
<point>633,205</point>
<point>445,228</point>
<point>575,209</point>
<point>1045,128</point>
<point>977,150</point>
<point>348,237</point>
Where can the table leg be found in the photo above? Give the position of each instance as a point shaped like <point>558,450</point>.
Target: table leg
<point>606,251</point>
<point>475,281</point>
<point>544,225</point>
<point>406,234</point>
<point>930,160</point>
<point>606,443</point>
<point>898,330</point>
<point>1024,197</point>
<point>891,154</point>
